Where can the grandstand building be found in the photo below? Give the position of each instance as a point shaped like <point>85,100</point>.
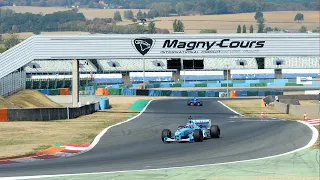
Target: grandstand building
<point>42,62</point>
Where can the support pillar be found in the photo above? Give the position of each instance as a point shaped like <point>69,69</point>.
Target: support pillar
<point>75,82</point>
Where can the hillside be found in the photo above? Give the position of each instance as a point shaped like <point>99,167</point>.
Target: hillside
<point>178,6</point>
<point>27,99</point>
<point>226,23</point>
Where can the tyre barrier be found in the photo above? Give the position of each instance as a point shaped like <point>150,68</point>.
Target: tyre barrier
<point>175,93</point>
<point>223,83</point>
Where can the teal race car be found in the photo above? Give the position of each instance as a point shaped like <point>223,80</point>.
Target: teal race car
<point>196,130</point>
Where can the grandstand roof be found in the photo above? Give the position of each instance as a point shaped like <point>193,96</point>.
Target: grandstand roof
<point>135,46</point>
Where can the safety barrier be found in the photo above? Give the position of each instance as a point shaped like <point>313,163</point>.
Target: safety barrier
<point>188,93</point>
<point>223,83</point>
<point>287,104</point>
<point>47,114</point>
<point>129,92</point>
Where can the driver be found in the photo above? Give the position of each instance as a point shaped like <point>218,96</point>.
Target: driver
<point>189,125</point>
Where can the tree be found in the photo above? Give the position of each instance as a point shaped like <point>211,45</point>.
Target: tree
<point>179,8</point>
<point>117,16</point>
<point>239,29</point>
<point>139,15</point>
<point>315,30</point>
<point>251,29</point>
<point>203,31</point>
<point>150,14</point>
<point>268,29</point>
<point>14,29</point>
<point>244,29</point>
<point>221,7</point>
<point>161,9</point>
<point>261,20</point>
<point>11,40</point>
<point>258,15</point>
<point>260,27</point>
<point>2,49</point>
<point>303,29</point>
<point>178,26</point>
<point>151,28</point>
<point>162,31</point>
<point>128,14</point>
<point>299,17</point>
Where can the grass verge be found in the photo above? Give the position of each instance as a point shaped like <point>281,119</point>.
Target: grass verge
<point>317,144</point>
<point>20,138</point>
<point>252,108</point>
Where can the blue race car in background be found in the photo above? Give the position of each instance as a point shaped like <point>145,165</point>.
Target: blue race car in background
<point>196,130</point>
<point>194,102</point>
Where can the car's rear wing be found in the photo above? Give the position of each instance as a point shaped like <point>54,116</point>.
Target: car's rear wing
<point>202,122</point>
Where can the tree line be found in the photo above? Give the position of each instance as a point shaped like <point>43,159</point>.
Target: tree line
<point>67,21</point>
<point>263,29</point>
<point>166,7</point>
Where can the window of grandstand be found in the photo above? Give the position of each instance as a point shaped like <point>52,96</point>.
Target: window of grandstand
<point>193,64</point>
<point>260,62</point>
<point>174,64</point>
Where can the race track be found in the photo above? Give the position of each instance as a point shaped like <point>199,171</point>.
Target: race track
<point>137,144</point>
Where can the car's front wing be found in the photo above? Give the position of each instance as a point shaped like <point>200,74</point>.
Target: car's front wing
<point>180,140</point>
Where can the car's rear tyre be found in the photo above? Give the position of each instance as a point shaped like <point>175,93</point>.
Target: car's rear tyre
<point>214,131</point>
<point>198,135</point>
<point>165,133</point>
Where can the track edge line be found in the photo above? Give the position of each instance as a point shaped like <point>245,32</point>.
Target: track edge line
<point>99,136</point>
<point>230,108</point>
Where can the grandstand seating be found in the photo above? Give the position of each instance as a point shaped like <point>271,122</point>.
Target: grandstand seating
<point>247,69</point>
<point>292,62</point>
<point>150,76</point>
<point>134,65</point>
<point>232,63</point>
<point>108,78</point>
<point>201,75</point>
<point>293,73</point>
<point>58,66</point>
<point>252,74</point>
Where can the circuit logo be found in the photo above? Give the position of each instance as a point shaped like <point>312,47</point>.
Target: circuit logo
<point>143,45</point>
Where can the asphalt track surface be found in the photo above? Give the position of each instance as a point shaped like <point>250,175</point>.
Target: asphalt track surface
<point>137,144</point>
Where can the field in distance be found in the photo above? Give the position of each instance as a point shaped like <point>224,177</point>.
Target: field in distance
<point>193,24</point>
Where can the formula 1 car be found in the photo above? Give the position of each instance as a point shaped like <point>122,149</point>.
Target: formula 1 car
<point>194,102</point>
<point>196,130</point>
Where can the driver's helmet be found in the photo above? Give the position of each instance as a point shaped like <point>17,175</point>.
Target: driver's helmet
<point>189,125</point>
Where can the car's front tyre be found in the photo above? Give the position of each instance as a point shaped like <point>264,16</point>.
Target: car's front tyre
<point>166,133</point>
<point>198,135</point>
